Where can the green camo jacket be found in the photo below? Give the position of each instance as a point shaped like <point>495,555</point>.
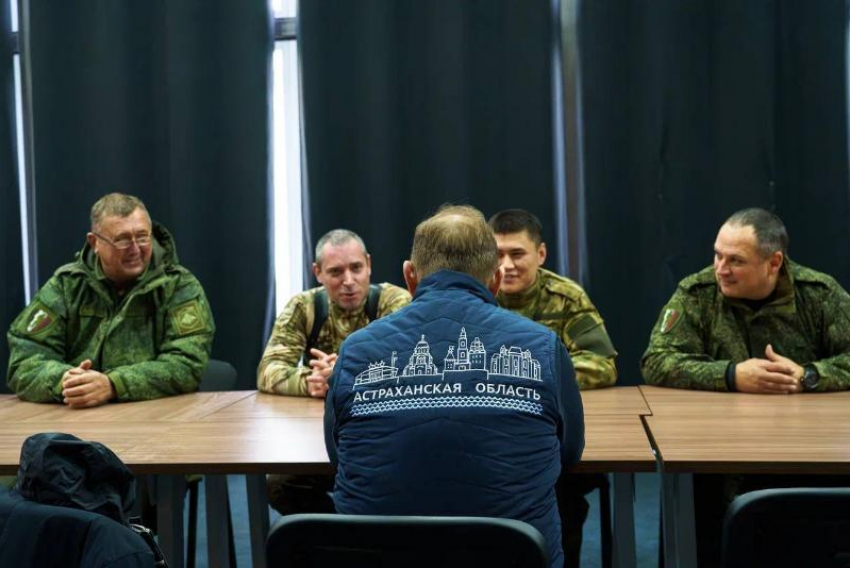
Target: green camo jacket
<point>279,371</point>
<point>563,306</point>
<point>700,331</point>
<point>154,341</point>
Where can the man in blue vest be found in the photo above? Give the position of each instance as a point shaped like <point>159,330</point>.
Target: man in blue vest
<point>452,405</point>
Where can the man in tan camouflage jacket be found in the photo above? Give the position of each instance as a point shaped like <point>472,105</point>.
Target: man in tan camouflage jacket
<point>301,351</point>
<point>561,305</point>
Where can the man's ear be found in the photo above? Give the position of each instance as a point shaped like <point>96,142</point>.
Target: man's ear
<point>496,281</point>
<point>317,271</point>
<point>776,260</point>
<point>410,277</point>
<point>541,253</point>
<point>92,241</point>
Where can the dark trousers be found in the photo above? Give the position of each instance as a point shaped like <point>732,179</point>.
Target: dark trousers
<point>291,494</point>
<point>572,504</point>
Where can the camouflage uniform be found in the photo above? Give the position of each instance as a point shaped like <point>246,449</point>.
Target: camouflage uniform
<point>152,341</point>
<point>700,331</point>
<point>561,305</point>
<point>279,371</point>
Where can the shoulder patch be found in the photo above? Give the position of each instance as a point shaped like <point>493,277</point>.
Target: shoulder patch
<point>188,318</point>
<point>40,318</point>
<point>670,319</point>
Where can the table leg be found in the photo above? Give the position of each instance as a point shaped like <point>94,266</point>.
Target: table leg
<point>258,517</point>
<point>624,520</point>
<point>170,490</point>
<point>218,539</point>
<point>677,503</point>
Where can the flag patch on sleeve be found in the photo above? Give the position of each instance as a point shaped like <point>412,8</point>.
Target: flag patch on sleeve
<point>39,319</point>
<point>670,319</point>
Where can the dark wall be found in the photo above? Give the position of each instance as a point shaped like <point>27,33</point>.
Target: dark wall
<point>692,111</point>
<point>167,101</point>
<point>408,105</point>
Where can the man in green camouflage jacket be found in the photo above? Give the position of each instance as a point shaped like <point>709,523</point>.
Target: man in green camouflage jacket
<point>561,305</point>
<point>343,267</point>
<point>754,322</point>
<point>124,321</point>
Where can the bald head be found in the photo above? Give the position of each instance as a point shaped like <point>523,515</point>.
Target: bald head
<point>456,238</point>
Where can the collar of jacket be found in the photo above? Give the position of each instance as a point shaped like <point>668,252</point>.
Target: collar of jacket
<point>450,280</point>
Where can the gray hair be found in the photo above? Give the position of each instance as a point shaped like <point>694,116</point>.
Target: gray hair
<point>115,205</point>
<point>335,238</point>
<point>770,232</point>
<point>457,238</point>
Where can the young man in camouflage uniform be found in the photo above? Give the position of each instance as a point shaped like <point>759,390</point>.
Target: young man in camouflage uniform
<point>754,322</point>
<point>561,305</point>
<point>124,321</point>
<point>343,267</point>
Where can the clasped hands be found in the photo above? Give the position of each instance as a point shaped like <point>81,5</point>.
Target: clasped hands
<point>773,375</point>
<point>322,366</point>
<point>83,387</point>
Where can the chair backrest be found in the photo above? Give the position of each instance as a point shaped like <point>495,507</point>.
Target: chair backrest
<point>366,540</point>
<point>218,376</point>
<point>788,527</point>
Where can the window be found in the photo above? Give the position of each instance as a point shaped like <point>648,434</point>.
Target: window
<point>286,151</point>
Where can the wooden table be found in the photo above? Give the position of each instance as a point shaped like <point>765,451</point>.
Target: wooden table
<point>718,432</point>
<point>250,433</point>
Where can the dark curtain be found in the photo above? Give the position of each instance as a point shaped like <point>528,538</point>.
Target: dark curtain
<point>410,104</point>
<point>167,101</point>
<point>693,110</point>
<point>11,267</point>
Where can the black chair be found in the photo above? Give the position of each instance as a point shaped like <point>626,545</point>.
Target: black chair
<point>354,541</point>
<point>218,376</point>
<point>788,527</point>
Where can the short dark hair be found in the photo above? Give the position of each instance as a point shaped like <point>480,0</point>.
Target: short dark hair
<point>455,238</point>
<point>335,238</point>
<point>771,235</point>
<point>512,221</point>
<point>115,205</point>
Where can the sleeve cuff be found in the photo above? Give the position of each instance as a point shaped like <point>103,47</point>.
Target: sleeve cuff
<point>120,387</point>
<point>730,377</point>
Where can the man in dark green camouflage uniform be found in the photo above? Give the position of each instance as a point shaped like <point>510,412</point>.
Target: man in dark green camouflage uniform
<point>124,321</point>
<point>754,322</point>
<point>561,305</point>
<point>299,356</point>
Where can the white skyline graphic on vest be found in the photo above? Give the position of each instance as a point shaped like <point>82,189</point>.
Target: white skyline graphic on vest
<point>508,361</point>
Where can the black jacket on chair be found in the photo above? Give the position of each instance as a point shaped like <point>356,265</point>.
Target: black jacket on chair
<point>46,536</point>
<point>69,508</point>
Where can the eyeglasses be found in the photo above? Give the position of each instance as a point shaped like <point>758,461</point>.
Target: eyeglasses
<point>123,243</point>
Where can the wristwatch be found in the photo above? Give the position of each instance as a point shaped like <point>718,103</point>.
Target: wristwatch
<point>809,380</point>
